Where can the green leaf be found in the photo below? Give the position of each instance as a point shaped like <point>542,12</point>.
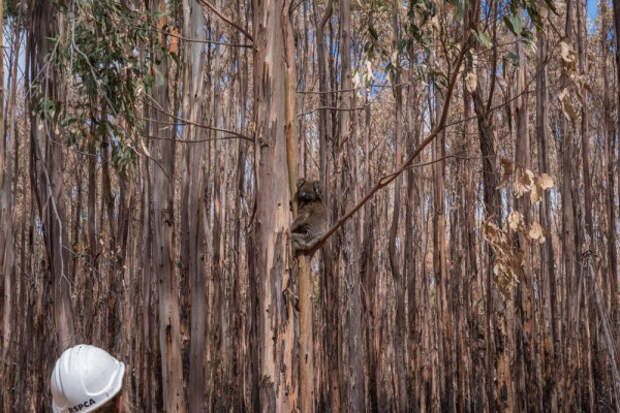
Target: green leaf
<point>482,39</point>
<point>517,24</point>
<point>514,24</point>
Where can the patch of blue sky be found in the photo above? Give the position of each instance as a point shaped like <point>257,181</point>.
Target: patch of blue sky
<point>592,9</point>
<point>592,6</point>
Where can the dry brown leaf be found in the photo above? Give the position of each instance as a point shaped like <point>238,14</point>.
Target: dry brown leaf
<point>528,177</point>
<point>471,82</point>
<point>515,219</point>
<point>524,182</point>
<point>567,106</point>
<point>507,172</point>
<point>536,233</point>
<point>545,181</point>
<point>535,194</point>
<point>567,54</point>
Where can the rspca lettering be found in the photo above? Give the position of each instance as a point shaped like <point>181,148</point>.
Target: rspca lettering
<point>82,405</point>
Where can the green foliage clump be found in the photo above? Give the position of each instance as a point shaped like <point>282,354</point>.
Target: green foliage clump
<point>102,49</point>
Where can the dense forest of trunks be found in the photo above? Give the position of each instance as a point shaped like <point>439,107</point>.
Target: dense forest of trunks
<point>466,152</point>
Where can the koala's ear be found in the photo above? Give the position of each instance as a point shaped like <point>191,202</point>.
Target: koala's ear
<point>300,182</point>
<point>317,188</point>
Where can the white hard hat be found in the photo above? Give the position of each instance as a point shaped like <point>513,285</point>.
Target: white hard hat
<point>85,378</point>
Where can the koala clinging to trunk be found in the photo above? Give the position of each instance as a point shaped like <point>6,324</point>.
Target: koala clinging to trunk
<point>311,221</point>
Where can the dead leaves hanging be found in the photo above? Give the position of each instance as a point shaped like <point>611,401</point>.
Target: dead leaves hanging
<point>571,97</point>
<point>541,183</point>
<point>507,263</point>
<point>524,181</point>
<point>508,254</point>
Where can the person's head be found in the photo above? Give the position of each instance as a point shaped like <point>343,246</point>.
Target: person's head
<point>86,379</point>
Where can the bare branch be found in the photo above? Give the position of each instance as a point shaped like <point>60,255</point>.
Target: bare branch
<point>329,108</point>
<point>227,20</point>
<point>200,125</point>
<point>223,138</point>
<point>187,39</point>
<point>352,89</point>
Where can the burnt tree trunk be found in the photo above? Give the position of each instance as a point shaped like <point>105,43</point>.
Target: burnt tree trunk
<point>277,388</point>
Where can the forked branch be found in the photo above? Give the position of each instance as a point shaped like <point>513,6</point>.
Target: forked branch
<point>311,247</point>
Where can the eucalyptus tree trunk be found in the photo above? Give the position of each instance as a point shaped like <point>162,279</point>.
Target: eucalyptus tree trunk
<point>7,251</point>
<point>304,282</point>
<point>571,283</point>
<point>215,394</point>
<point>613,256</point>
<point>589,242</point>
<point>401,396</point>
<point>414,230</point>
<point>329,393</point>
<point>493,212</point>
<point>471,354</point>
<point>524,333</point>
<point>368,270</point>
<point>240,282</point>
<point>617,25</point>
<point>548,286</point>
<point>194,187</point>
<point>278,389</point>
<point>352,372</point>
<point>6,218</point>
<point>47,167</point>
<point>161,189</point>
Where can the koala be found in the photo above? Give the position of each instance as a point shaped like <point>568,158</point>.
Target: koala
<point>312,219</point>
<point>307,191</point>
